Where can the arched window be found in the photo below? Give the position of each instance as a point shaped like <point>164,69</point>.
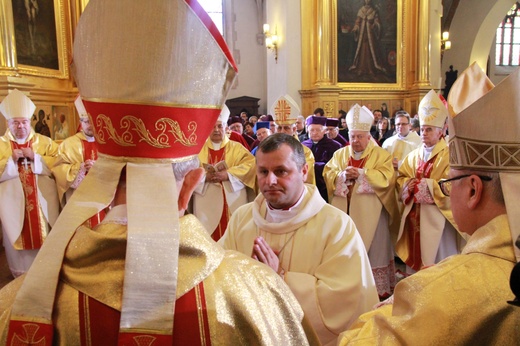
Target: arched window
<point>214,9</point>
<point>508,39</point>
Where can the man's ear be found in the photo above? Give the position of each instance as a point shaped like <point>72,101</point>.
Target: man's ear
<point>476,191</point>
<point>191,180</point>
<point>305,171</point>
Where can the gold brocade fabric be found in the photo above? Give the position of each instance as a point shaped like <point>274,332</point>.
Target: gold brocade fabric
<point>68,162</point>
<point>440,171</point>
<point>460,301</point>
<point>248,304</point>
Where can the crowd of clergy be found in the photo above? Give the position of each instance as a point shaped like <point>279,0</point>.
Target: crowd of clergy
<point>329,204</point>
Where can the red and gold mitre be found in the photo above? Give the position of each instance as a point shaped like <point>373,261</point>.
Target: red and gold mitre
<point>285,110</point>
<point>161,95</point>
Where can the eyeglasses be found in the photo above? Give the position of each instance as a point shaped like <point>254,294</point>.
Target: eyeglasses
<point>445,184</point>
<point>402,124</point>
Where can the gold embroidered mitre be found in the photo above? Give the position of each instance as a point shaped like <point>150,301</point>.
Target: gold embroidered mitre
<point>285,110</point>
<point>359,118</point>
<point>161,95</point>
<point>485,133</point>
<point>17,105</point>
<point>432,111</point>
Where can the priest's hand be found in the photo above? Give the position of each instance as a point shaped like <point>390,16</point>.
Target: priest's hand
<point>352,173</point>
<point>28,153</point>
<point>88,164</point>
<point>17,154</point>
<point>262,252</point>
<point>220,176</point>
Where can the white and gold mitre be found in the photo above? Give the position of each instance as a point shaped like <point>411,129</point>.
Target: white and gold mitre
<point>285,110</point>
<point>484,128</point>
<point>17,105</point>
<point>359,118</point>
<point>432,111</point>
<point>80,107</point>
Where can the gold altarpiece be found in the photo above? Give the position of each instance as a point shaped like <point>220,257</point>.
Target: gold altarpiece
<point>321,35</point>
<point>36,51</point>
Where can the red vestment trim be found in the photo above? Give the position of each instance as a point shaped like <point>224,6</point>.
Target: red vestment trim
<point>413,220</point>
<point>215,156</point>
<point>99,324</point>
<point>90,153</point>
<point>25,333</point>
<point>150,131</point>
<point>208,22</point>
<point>358,164</point>
<point>34,228</point>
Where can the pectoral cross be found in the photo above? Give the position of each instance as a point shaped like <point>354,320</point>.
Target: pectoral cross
<point>25,163</point>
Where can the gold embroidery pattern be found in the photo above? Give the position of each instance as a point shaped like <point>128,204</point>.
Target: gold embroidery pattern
<point>282,111</point>
<point>477,154</point>
<point>357,125</point>
<point>144,340</point>
<point>28,190</point>
<point>29,338</point>
<point>430,112</point>
<point>133,126</point>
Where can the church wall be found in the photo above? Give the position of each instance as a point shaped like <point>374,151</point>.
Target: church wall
<point>243,28</point>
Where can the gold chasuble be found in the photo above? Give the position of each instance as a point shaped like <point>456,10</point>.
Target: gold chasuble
<point>422,225</point>
<point>430,305</point>
<point>68,168</point>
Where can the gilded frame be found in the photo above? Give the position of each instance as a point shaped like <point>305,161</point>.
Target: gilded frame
<point>392,51</point>
<point>50,37</point>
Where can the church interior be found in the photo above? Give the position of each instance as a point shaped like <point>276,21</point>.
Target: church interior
<point>307,51</point>
<point>311,62</point>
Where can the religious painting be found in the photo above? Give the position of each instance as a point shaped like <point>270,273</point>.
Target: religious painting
<point>367,41</point>
<point>40,39</point>
<point>41,120</point>
<point>62,123</point>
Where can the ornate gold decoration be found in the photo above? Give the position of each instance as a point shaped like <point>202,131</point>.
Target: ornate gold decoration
<point>282,111</point>
<point>480,155</point>
<point>430,112</point>
<point>131,124</point>
<point>328,107</point>
<point>144,340</point>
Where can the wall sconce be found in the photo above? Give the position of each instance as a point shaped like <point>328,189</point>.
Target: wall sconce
<point>445,41</point>
<point>271,41</point>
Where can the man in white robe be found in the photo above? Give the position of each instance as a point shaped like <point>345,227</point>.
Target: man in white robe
<point>427,233</point>
<point>404,141</point>
<point>361,182</point>
<point>27,188</point>
<point>229,178</point>
<point>313,246</point>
